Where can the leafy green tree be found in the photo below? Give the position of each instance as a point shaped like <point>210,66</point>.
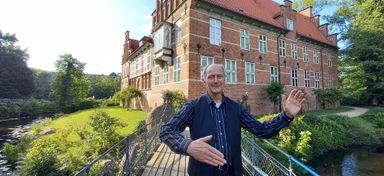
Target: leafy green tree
<point>127,94</point>
<point>318,5</point>
<point>328,96</point>
<point>16,79</point>
<point>42,81</point>
<point>70,85</point>
<point>361,26</point>
<point>274,90</point>
<point>104,86</point>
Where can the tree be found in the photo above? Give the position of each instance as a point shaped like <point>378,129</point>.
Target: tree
<point>16,79</point>
<point>362,29</point>
<point>70,85</point>
<point>104,86</point>
<point>126,95</point>
<point>274,90</point>
<point>328,96</point>
<point>318,5</point>
<point>42,81</point>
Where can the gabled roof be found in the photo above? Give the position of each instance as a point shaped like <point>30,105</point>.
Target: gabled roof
<point>267,10</point>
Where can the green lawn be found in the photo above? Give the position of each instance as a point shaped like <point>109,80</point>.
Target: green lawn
<point>80,119</point>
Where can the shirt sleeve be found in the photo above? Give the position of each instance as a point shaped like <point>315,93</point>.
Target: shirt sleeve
<point>266,129</point>
<point>170,133</point>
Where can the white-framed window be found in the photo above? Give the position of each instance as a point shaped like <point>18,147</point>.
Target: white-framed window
<point>250,73</point>
<point>263,44</point>
<point>282,51</point>
<point>274,74</point>
<point>166,74</point>
<point>306,54</point>
<point>289,24</point>
<point>294,77</point>
<point>330,81</point>
<point>178,32</point>
<point>214,31</point>
<point>145,60</point>
<point>244,39</point>
<point>177,70</point>
<point>204,61</point>
<point>317,80</point>
<point>306,79</point>
<point>230,70</point>
<point>158,39</point>
<point>294,51</point>
<point>329,59</point>
<point>316,56</point>
<point>157,75</point>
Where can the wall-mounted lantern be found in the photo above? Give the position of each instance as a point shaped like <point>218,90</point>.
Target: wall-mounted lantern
<point>198,48</point>
<point>222,52</point>
<point>260,58</point>
<point>242,56</point>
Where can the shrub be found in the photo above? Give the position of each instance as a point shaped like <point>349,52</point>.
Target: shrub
<point>42,158</point>
<point>13,152</point>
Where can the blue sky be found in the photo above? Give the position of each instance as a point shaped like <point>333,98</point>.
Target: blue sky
<point>90,30</point>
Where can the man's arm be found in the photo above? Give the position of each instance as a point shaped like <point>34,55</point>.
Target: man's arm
<point>266,129</point>
<point>170,132</point>
<point>291,106</point>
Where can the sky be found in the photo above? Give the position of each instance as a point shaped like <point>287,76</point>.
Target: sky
<point>91,30</point>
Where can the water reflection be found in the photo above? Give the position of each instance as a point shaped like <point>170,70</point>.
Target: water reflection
<point>10,132</point>
<point>363,161</point>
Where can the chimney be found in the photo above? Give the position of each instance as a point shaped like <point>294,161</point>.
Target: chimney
<point>324,29</point>
<point>126,36</point>
<point>307,11</point>
<point>316,19</point>
<point>288,4</point>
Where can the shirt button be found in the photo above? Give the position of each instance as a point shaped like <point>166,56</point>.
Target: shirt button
<point>219,121</point>
<point>221,133</point>
<point>222,146</point>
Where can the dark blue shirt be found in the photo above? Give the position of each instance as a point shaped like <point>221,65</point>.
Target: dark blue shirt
<point>170,132</point>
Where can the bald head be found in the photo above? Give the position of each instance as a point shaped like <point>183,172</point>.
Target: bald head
<point>212,66</point>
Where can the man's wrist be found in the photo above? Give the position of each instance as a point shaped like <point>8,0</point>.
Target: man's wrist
<point>287,114</point>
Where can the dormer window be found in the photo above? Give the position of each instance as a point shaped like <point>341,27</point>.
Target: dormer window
<point>289,24</point>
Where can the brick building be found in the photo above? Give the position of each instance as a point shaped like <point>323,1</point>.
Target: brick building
<point>258,41</point>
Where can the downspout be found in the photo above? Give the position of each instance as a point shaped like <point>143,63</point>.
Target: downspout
<point>321,67</point>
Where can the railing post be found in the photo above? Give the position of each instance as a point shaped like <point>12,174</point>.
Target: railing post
<point>126,170</point>
<point>87,171</point>
<point>290,167</point>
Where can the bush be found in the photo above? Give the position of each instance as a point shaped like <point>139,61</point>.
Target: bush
<point>177,98</point>
<point>313,135</point>
<point>13,152</point>
<point>42,158</point>
<point>87,103</point>
<point>108,102</point>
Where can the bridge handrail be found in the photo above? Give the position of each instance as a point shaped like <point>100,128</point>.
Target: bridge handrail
<point>134,137</point>
<point>280,168</point>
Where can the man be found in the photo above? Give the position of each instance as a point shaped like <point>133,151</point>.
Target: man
<point>215,123</point>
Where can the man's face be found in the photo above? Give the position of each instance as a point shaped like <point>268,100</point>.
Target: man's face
<point>215,80</point>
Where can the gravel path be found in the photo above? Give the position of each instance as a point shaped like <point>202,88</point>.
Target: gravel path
<point>355,112</point>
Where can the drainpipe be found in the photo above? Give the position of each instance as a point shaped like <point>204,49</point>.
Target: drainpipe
<point>321,67</point>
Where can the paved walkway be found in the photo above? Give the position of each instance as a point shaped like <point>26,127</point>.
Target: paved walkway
<point>355,112</point>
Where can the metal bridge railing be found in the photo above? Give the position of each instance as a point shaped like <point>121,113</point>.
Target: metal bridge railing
<point>128,156</point>
<point>257,161</point>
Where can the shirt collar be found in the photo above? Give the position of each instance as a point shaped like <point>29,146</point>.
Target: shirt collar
<point>210,99</point>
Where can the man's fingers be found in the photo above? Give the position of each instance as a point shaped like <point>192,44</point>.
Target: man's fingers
<point>217,155</point>
<point>292,93</point>
<point>302,101</point>
<point>298,93</point>
<point>206,138</point>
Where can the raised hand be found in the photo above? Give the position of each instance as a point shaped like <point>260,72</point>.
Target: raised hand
<point>293,103</point>
<point>200,150</point>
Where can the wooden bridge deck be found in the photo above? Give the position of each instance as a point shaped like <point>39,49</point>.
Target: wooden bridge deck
<point>164,162</point>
